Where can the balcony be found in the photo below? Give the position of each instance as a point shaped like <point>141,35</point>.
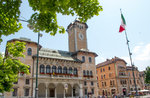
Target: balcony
<point>123,76</point>
<point>88,76</point>
<point>58,76</point>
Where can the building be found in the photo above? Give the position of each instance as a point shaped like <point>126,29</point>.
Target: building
<point>114,77</point>
<point>131,79</point>
<point>60,73</point>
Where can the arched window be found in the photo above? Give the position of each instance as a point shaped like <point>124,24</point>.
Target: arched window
<point>54,69</point>
<point>48,69</point>
<point>90,60</point>
<point>29,51</point>
<point>91,74</point>
<point>83,59</point>
<point>65,70</point>
<point>84,72</point>
<point>75,71</point>
<point>87,73</point>
<point>59,69</point>
<point>70,70</point>
<point>42,68</point>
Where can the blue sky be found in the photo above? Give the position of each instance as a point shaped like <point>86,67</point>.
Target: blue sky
<point>102,35</point>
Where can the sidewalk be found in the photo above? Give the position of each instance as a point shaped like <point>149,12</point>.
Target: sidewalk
<point>147,96</point>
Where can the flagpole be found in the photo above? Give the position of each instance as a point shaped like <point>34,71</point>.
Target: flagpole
<point>131,60</point>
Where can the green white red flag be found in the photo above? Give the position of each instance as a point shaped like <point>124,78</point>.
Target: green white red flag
<point>123,23</point>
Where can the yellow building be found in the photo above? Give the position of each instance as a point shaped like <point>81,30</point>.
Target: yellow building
<point>61,74</point>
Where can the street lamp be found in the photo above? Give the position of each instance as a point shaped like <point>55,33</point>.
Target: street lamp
<point>37,60</point>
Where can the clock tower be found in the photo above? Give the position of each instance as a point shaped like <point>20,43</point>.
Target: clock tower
<point>77,36</point>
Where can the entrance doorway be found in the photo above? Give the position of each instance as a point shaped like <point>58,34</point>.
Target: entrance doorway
<point>52,92</point>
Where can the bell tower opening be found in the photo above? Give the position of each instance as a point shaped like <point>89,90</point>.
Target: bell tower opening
<point>77,36</point>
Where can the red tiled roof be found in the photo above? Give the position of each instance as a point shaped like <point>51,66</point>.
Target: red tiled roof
<point>109,61</point>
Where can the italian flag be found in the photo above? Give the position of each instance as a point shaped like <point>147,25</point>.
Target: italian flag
<point>123,23</point>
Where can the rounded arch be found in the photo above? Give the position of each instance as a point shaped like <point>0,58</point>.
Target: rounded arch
<point>54,69</point>
<point>29,51</point>
<point>51,90</point>
<point>42,69</point>
<point>87,73</point>
<point>70,70</point>
<point>48,69</point>
<point>76,90</point>
<point>59,69</point>
<point>65,70</point>
<point>75,71</point>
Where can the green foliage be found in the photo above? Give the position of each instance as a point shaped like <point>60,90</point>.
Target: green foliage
<point>45,16</point>
<point>147,75</point>
<point>9,14</point>
<point>10,65</point>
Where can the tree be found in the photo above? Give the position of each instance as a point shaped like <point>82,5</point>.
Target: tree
<point>45,16</point>
<point>10,65</point>
<point>147,75</point>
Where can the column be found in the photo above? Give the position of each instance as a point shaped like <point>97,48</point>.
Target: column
<point>46,90</point>
<point>55,93</point>
<point>81,91</point>
<point>33,89</point>
<point>64,93</point>
<point>72,92</point>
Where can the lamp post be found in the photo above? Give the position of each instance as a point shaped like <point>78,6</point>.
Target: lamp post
<point>31,27</point>
<point>37,61</point>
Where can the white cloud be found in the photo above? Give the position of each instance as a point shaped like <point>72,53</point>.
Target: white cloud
<point>143,53</point>
<point>140,57</point>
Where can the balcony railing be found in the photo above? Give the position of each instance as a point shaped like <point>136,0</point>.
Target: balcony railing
<point>88,76</point>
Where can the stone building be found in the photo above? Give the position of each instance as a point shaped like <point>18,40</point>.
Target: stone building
<point>61,74</point>
<point>115,78</point>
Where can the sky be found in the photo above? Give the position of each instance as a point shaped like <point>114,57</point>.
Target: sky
<point>103,35</point>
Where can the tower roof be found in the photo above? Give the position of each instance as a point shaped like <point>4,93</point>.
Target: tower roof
<point>76,21</point>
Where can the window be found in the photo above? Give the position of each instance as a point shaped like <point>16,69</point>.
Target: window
<point>27,81</point>
<point>83,59</point>
<point>54,69</point>
<point>65,70</point>
<point>59,69</point>
<point>104,76</point>
<point>110,82</point>
<point>92,90</point>
<point>26,92</point>
<point>75,71</point>
<point>29,51</point>
<point>101,76</point>
<point>85,91</point>
<point>90,60</point>
<point>91,74</point>
<point>92,83</point>
<point>109,68</point>
<point>70,70</point>
<point>103,70</point>
<point>85,83</point>
<point>48,69</point>
<point>87,73</point>
<point>42,68</point>
<point>84,72</point>
<point>15,92</point>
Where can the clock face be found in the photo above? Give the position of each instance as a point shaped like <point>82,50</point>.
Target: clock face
<point>81,36</point>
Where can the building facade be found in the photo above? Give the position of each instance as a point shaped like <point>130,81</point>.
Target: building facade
<point>61,74</point>
<point>115,78</point>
